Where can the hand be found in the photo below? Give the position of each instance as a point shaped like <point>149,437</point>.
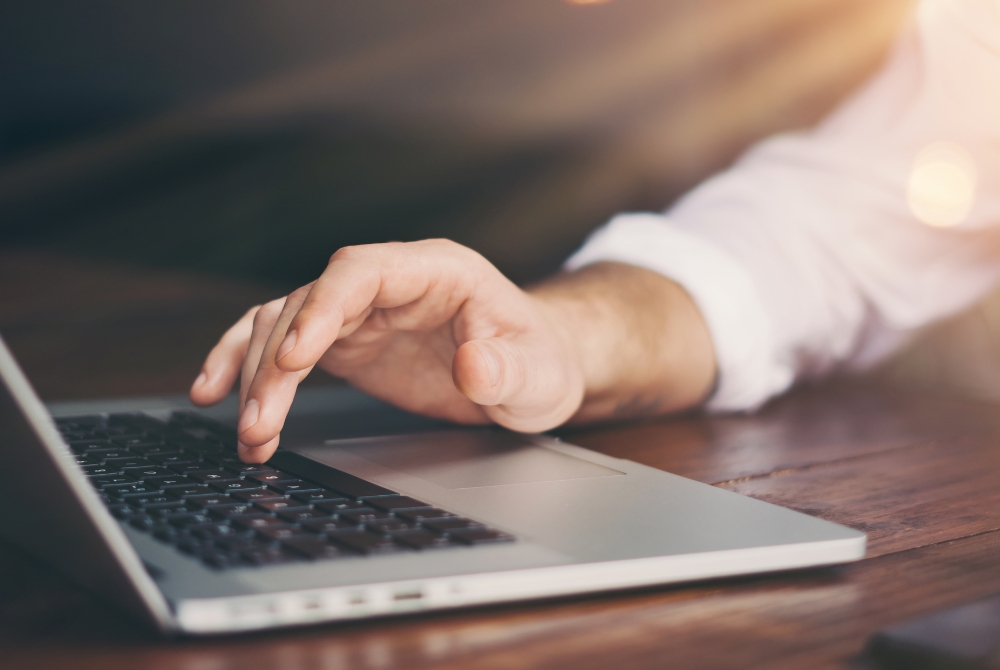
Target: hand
<point>429,326</point>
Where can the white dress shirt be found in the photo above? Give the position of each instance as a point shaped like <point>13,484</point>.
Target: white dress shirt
<point>828,248</point>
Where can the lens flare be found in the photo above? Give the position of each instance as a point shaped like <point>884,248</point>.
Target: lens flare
<point>942,186</point>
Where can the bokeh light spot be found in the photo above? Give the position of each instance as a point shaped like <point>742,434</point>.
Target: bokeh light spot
<point>942,187</point>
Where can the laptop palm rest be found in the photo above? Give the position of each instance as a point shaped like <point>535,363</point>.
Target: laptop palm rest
<point>473,459</point>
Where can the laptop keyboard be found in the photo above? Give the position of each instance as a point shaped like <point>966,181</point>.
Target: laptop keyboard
<point>182,482</point>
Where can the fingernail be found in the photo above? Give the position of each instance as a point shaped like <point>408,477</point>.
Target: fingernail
<point>492,363</point>
<point>202,378</point>
<point>248,418</point>
<point>287,344</point>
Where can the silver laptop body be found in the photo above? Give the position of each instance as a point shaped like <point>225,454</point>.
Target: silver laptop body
<point>584,522</point>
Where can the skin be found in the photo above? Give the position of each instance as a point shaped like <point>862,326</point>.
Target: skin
<point>434,328</point>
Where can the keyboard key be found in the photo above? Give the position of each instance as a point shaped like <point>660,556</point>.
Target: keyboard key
<point>231,511</point>
<point>257,494</point>
<point>396,503</point>
<point>272,477</point>
<point>103,455</point>
<point>366,515</point>
<point>211,476</point>
<point>188,490</point>
<point>214,531</point>
<point>265,556</point>
<point>338,506</point>
<point>174,459</point>
<point>141,501</point>
<point>189,545</point>
<point>363,542</point>
<point>276,533</point>
<point>100,471</point>
<point>205,501</point>
<point>149,472</point>
<point>141,522</point>
<point>421,539</point>
<point>448,525</point>
<point>301,515</point>
<point>83,446</point>
<point>167,510</point>
<point>189,520</point>
<point>128,462</point>
<point>313,497</point>
<point>130,489</point>
<point>219,559</point>
<point>293,486</point>
<point>387,525</point>
<point>102,481</point>
<point>331,478</point>
<point>83,460</point>
<point>313,547</point>
<point>159,450</point>
<point>419,515</point>
<point>255,521</point>
<point>237,542</point>
<point>167,534</point>
<point>320,526</point>
<point>165,481</point>
<point>224,460</point>
<point>130,442</point>
<point>479,536</point>
<point>247,468</point>
<point>238,485</point>
<point>278,504</point>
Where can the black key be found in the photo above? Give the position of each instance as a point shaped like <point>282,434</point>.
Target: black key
<point>331,478</point>
<point>448,525</point>
<point>366,515</point>
<point>149,472</point>
<point>125,514</point>
<point>189,545</point>
<point>166,534</point>
<point>165,481</point>
<point>141,522</point>
<point>130,489</point>
<point>238,485</point>
<point>301,515</point>
<point>82,446</point>
<point>278,504</point>
<point>421,539</point>
<point>479,536</point>
<point>83,460</point>
<point>100,471</point>
<point>219,559</point>
<point>256,494</point>
<point>321,526</point>
<point>265,556</point>
<point>102,481</point>
<point>312,547</point>
<point>247,468</point>
<point>232,511</point>
<point>141,501</point>
<point>418,515</point>
<point>276,533</point>
<point>154,450</point>
<point>175,458</point>
<point>214,531</point>
<point>128,462</point>
<point>205,501</point>
<point>293,486</point>
<point>189,520</point>
<point>312,497</point>
<point>271,477</point>
<point>363,542</point>
<point>338,506</point>
<point>103,455</point>
<point>167,510</point>
<point>188,490</point>
<point>119,508</point>
<point>395,503</point>
<point>224,459</point>
<point>211,476</point>
<point>256,521</point>
<point>387,525</point>
<point>130,442</point>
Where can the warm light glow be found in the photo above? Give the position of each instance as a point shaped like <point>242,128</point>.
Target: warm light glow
<point>586,2</point>
<point>942,185</point>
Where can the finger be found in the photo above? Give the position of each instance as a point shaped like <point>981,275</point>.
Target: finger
<point>386,277</point>
<point>524,384</point>
<point>223,364</point>
<point>269,394</point>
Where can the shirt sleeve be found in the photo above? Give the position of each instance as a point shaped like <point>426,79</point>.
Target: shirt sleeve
<point>826,249</point>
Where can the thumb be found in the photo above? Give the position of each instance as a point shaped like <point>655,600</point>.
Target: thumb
<point>522,384</point>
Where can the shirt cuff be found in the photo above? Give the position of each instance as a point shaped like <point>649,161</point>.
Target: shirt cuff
<point>748,370</point>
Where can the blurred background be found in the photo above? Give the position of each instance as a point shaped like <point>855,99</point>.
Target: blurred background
<point>163,166</point>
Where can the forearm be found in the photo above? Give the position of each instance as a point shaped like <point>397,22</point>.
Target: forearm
<point>639,338</point>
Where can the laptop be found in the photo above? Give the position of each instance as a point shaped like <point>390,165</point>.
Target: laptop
<point>146,504</point>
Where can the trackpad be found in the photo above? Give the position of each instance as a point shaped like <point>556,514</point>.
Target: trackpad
<point>472,459</point>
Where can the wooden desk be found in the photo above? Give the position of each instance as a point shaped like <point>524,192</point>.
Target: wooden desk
<point>920,474</point>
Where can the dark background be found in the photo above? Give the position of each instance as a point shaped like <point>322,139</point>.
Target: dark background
<point>163,165</point>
